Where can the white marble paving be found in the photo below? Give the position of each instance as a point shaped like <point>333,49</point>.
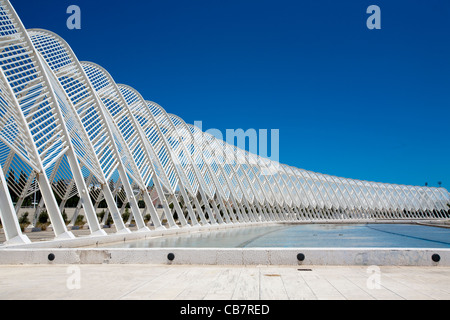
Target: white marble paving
<point>158,282</point>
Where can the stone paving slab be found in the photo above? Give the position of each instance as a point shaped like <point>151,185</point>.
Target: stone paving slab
<point>177,283</point>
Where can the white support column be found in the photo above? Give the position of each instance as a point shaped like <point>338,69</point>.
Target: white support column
<point>251,212</point>
<point>23,195</point>
<point>197,206</point>
<point>85,198</point>
<point>152,211</point>
<point>76,213</point>
<point>56,219</point>
<point>207,207</point>
<point>233,215</point>
<point>179,211</point>
<point>259,214</point>
<point>8,215</point>
<point>118,222</point>
<point>136,212</point>
<point>224,209</point>
<point>37,212</point>
<point>267,214</point>
<point>244,213</point>
<point>217,212</point>
<point>165,205</point>
<point>189,208</point>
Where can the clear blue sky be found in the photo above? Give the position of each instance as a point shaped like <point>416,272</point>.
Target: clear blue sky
<point>348,101</point>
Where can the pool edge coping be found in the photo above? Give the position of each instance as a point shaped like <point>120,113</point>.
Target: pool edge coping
<point>80,251</point>
<point>237,257</point>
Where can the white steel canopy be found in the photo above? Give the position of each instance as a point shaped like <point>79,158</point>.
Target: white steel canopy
<point>69,131</point>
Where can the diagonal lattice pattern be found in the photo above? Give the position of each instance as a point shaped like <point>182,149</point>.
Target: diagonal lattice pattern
<point>69,132</point>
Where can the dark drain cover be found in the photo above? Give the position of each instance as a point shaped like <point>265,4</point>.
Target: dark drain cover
<point>301,257</point>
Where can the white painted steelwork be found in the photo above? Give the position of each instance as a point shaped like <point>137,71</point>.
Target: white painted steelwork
<point>68,130</point>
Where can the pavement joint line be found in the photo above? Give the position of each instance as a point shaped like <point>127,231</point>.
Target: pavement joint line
<point>17,280</point>
<point>144,284</point>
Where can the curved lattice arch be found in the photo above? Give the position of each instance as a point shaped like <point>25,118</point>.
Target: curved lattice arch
<point>68,130</point>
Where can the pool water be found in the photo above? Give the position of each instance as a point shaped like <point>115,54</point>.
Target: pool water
<point>306,236</point>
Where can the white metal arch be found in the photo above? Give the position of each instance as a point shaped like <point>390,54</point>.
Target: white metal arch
<point>107,142</point>
<point>133,134</point>
<point>46,113</point>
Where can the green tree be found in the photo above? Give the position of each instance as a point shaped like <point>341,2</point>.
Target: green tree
<point>80,220</point>
<point>126,215</point>
<point>24,219</point>
<point>101,215</point>
<point>43,217</point>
